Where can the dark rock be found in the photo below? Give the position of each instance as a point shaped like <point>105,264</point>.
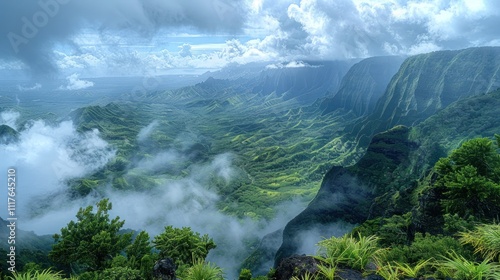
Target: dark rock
<point>8,135</point>
<point>262,259</point>
<point>165,269</point>
<point>351,274</point>
<point>296,266</point>
<point>347,194</point>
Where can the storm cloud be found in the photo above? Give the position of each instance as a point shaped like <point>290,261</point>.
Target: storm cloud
<point>132,36</point>
<point>32,29</point>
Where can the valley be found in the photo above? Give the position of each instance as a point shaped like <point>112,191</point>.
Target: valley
<point>266,152</point>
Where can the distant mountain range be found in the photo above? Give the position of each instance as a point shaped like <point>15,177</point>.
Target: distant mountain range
<point>443,97</point>
<point>349,137</point>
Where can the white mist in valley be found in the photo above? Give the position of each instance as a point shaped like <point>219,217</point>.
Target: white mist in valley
<point>47,157</point>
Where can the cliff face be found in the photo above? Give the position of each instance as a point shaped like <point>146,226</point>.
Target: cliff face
<point>382,182</point>
<point>346,193</point>
<point>429,82</point>
<point>306,83</point>
<point>363,85</point>
<point>8,134</point>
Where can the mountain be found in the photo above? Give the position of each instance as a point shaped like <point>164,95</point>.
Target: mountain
<point>303,81</point>
<point>429,82</point>
<point>346,193</point>
<point>382,183</point>
<point>8,134</point>
<point>363,85</point>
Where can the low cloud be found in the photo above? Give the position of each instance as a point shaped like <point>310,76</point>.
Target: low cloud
<point>34,87</point>
<point>45,158</point>
<point>9,118</point>
<point>146,132</point>
<point>74,83</point>
<point>48,156</point>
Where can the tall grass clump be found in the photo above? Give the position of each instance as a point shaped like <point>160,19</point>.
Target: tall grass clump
<point>46,274</point>
<point>457,267</point>
<point>202,270</point>
<point>349,251</point>
<point>485,239</point>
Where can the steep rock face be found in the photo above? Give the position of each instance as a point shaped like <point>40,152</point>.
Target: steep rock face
<point>305,82</point>
<point>363,85</point>
<point>429,82</point>
<point>262,258</point>
<point>346,193</point>
<point>8,135</point>
<point>382,182</point>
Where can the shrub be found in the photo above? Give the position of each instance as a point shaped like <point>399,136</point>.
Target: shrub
<point>46,274</point>
<point>485,239</point>
<point>458,267</point>
<point>349,251</point>
<point>203,271</point>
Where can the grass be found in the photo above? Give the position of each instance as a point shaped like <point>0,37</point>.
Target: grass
<point>202,270</point>
<point>46,274</point>
<point>485,239</point>
<point>458,267</point>
<point>349,251</point>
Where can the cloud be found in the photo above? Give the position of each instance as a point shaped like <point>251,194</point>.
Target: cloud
<point>185,50</point>
<point>9,118</point>
<point>130,36</point>
<point>291,64</point>
<point>45,158</point>
<point>146,132</point>
<point>74,83</point>
<point>34,28</point>
<point>361,28</point>
<point>35,87</point>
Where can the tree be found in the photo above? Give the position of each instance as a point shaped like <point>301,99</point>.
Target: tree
<point>139,248</point>
<point>470,178</point>
<point>183,245</point>
<point>92,241</point>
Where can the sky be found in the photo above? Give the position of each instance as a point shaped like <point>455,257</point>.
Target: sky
<point>71,39</point>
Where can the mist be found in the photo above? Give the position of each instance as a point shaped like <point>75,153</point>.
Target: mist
<point>47,157</point>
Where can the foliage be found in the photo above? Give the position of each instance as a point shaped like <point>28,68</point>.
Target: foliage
<point>349,251</point>
<point>423,248</point>
<point>388,271</point>
<point>458,267</point>
<point>454,224</point>
<point>485,239</point>
<point>390,231</point>
<point>183,245</point>
<point>471,177</point>
<point>46,274</point>
<point>245,274</point>
<point>201,270</point>
<point>119,273</point>
<point>308,276</point>
<point>92,240</point>
<point>139,248</point>
<point>326,270</point>
<point>412,271</point>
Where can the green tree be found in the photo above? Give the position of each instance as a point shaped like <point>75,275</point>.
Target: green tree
<point>92,241</point>
<point>245,274</point>
<point>183,245</point>
<point>470,178</point>
<point>139,248</point>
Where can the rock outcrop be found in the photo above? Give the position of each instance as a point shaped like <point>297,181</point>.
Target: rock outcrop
<point>363,85</point>
<point>346,193</point>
